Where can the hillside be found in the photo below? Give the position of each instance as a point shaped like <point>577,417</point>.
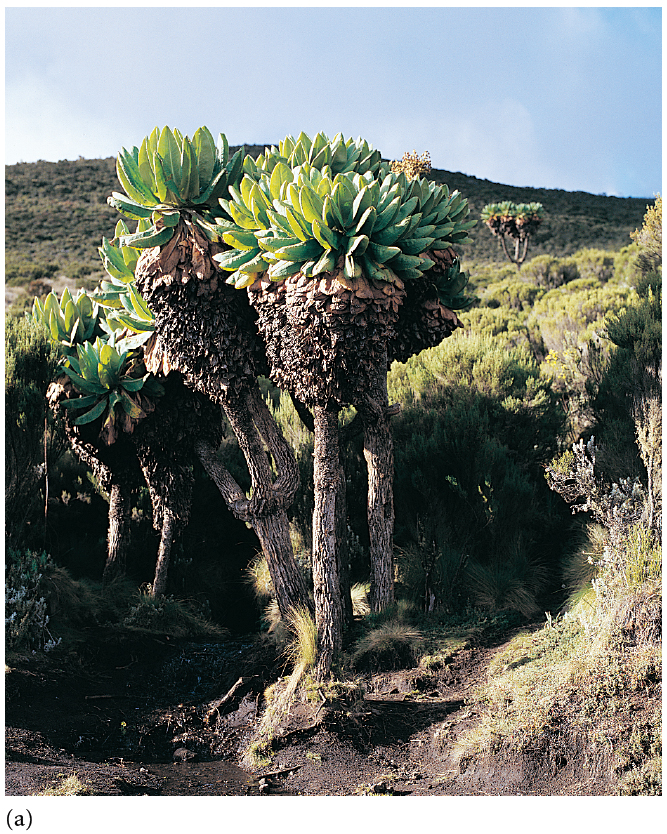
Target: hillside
<point>56,214</point>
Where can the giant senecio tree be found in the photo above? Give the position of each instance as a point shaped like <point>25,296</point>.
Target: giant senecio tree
<point>515,221</point>
<point>204,330</point>
<point>329,242</point>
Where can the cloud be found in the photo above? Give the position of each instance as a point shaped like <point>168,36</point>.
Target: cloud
<point>42,123</point>
<point>496,141</point>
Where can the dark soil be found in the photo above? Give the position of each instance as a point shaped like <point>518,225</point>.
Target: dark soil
<point>142,716</point>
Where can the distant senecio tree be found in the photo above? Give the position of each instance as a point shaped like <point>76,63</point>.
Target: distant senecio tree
<point>517,221</point>
<point>315,264</point>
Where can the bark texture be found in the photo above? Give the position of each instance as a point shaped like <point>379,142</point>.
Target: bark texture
<point>326,343</point>
<point>379,456</point>
<point>326,583</point>
<point>423,321</point>
<point>118,532</point>
<point>159,587</point>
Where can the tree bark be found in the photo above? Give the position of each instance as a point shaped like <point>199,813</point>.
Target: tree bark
<point>118,532</point>
<point>379,455</point>
<point>341,541</point>
<point>326,583</point>
<point>164,553</point>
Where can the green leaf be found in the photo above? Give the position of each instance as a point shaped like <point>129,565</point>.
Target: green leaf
<point>280,174</point>
<point>146,167</point>
<point>160,179</point>
<point>204,149</point>
<point>79,402</point>
<point>130,178</point>
<point>133,385</point>
<point>93,414</point>
<point>169,152</point>
<point>311,204</point>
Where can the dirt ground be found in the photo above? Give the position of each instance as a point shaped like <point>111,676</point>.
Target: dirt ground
<point>143,717</point>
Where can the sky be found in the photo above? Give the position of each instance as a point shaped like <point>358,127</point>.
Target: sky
<point>548,97</point>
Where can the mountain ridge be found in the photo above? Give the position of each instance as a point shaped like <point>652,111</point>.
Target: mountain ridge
<point>56,213</point>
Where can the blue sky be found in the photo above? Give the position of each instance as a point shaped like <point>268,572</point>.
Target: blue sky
<point>552,97</point>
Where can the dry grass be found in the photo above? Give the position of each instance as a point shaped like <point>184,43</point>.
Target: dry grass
<point>301,652</point>
<point>259,577</point>
<point>68,786</point>
<point>582,672</point>
<point>359,593</point>
<point>392,645</point>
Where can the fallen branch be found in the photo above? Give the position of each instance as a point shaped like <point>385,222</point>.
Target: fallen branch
<point>214,707</point>
<point>278,772</point>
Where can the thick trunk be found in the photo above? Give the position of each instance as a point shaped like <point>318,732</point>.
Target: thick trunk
<point>326,584</point>
<point>379,455</point>
<point>119,528</point>
<point>164,553</point>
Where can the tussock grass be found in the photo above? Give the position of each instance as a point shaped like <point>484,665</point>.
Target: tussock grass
<point>359,593</point>
<point>301,652</point>
<point>582,672</point>
<point>68,786</point>
<point>173,617</point>
<point>259,578</point>
<point>392,645</point>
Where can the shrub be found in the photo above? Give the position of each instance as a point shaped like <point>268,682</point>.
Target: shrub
<point>594,263</point>
<point>166,615</point>
<point>478,421</point>
<point>26,618</point>
<point>547,271</point>
<point>30,363</point>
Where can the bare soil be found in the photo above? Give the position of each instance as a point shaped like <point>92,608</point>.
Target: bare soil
<point>142,716</point>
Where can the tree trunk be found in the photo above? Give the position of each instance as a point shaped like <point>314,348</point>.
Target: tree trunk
<point>119,528</point>
<point>164,553</point>
<point>266,510</point>
<point>379,455</point>
<point>342,554</point>
<point>326,584</point>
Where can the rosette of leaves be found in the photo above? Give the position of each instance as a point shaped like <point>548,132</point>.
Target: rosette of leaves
<point>105,374</point>
<point>70,321</point>
<point>113,386</point>
<point>369,235</point>
<point>303,220</point>
<point>124,305</point>
<point>332,156</point>
<point>170,177</point>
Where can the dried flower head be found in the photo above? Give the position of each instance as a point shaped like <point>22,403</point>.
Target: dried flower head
<point>413,165</point>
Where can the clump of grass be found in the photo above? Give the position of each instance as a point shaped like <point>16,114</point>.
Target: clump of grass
<point>68,786</point>
<point>643,557</point>
<point>259,577</point>
<point>359,593</point>
<point>508,584</point>
<point>301,652</point>
<point>585,667</point>
<point>392,645</point>
<point>580,566</point>
<point>172,617</point>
